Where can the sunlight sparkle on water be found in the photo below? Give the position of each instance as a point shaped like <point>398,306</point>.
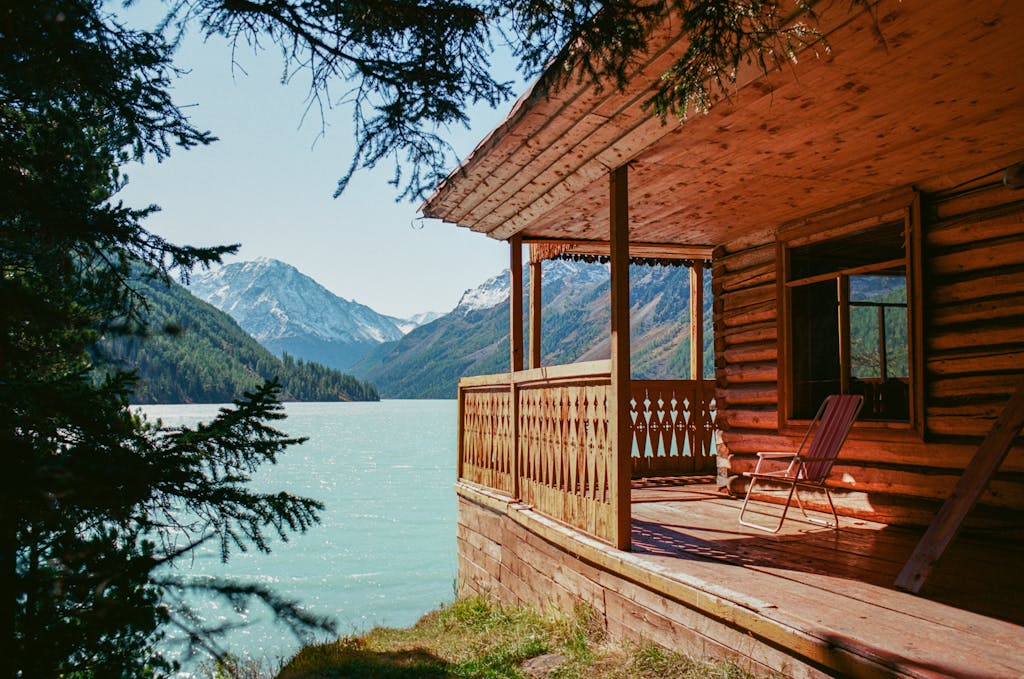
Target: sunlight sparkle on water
<point>384,553</point>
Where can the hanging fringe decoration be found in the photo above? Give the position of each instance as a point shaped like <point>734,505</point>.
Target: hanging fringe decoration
<point>645,261</point>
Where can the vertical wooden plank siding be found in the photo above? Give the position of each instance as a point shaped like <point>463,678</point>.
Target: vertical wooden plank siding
<point>535,312</point>
<point>621,436</point>
<point>515,302</point>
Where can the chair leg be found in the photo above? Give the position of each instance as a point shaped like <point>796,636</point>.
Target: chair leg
<point>835,524</point>
<point>759,526</point>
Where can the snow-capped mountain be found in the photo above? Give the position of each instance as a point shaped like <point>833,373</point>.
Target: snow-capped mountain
<point>495,290</point>
<point>490,293</point>
<point>416,320</point>
<point>473,339</point>
<point>287,311</point>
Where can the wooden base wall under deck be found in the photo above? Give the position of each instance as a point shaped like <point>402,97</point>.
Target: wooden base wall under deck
<point>508,552</point>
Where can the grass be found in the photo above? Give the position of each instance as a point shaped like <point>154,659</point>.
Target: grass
<point>475,637</point>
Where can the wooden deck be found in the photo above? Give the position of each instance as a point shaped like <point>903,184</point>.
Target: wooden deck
<point>838,585</point>
<point>808,602</point>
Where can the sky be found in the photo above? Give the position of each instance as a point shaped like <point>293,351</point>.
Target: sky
<point>268,184</point>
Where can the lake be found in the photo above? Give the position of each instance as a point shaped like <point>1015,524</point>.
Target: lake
<point>384,553</point>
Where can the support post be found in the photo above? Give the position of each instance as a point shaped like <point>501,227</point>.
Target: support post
<point>515,301</point>
<point>620,435</point>
<point>460,444</point>
<point>845,361</point>
<point>698,451</point>
<point>515,338</point>
<point>535,312</point>
<point>697,321</point>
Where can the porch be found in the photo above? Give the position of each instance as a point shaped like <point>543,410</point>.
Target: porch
<point>809,601</point>
<point>832,248</point>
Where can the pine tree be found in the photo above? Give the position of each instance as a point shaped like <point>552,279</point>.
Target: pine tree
<point>95,503</point>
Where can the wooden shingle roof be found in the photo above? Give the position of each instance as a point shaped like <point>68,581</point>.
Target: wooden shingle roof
<point>924,93</point>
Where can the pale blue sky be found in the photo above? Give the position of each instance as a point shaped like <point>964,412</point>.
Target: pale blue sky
<point>268,181</point>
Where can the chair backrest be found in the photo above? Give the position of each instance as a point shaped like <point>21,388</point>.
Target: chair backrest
<point>834,425</point>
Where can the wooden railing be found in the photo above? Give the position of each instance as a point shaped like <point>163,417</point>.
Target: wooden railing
<point>486,453</point>
<point>567,454</point>
<point>673,424</point>
<point>542,437</point>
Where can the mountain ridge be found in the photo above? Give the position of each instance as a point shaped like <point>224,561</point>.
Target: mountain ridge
<point>203,356</point>
<point>289,312</point>
<point>473,338</point>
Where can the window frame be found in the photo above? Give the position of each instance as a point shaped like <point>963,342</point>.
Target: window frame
<point>905,206</point>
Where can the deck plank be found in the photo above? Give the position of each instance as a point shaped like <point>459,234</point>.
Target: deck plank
<point>837,585</point>
<point>809,602</point>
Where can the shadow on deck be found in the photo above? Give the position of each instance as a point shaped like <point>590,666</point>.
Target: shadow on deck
<point>690,519</point>
<point>807,602</point>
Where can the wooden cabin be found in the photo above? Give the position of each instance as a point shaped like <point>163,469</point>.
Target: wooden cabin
<point>861,215</point>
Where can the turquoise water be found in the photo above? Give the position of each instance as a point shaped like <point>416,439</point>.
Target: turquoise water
<point>384,553</point>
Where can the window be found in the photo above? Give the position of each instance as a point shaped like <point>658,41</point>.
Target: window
<point>847,321</point>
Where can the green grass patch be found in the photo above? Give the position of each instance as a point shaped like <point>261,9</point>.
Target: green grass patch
<point>475,637</point>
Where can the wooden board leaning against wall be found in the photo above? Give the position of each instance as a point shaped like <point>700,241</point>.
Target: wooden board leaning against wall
<point>971,300</point>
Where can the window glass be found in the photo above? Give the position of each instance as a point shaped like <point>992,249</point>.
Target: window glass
<point>860,345</point>
<point>815,341</point>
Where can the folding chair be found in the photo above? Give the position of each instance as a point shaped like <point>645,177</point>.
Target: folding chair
<point>835,417</point>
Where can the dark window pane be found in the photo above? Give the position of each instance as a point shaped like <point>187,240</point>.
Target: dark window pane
<point>880,287</point>
<point>879,347</point>
<point>896,343</point>
<point>881,244</point>
<point>815,346</point>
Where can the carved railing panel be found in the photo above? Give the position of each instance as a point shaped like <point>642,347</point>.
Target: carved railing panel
<point>486,446</point>
<point>542,437</point>
<point>673,423</point>
<point>567,461</point>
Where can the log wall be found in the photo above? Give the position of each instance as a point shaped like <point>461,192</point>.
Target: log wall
<point>973,320</point>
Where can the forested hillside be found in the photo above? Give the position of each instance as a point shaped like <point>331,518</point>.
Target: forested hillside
<point>428,362</point>
<point>197,354</point>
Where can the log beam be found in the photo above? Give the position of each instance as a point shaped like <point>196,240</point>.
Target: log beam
<point>515,301</point>
<point>535,313</point>
<point>618,407</point>
<point>697,322</point>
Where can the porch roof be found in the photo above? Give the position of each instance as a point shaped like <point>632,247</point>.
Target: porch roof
<point>929,94</point>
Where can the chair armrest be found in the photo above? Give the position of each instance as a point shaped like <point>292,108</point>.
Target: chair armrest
<point>761,457</point>
<point>781,474</point>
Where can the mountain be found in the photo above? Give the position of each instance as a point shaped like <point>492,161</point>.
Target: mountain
<point>289,312</point>
<point>473,339</point>
<point>198,354</point>
<point>407,325</point>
